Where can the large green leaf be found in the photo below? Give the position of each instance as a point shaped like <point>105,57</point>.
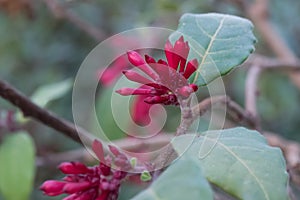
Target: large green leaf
<point>46,93</point>
<point>182,180</point>
<point>17,166</point>
<point>219,42</point>
<point>239,161</point>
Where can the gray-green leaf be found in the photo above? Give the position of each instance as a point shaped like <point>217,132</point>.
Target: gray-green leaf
<point>17,168</point>
<point>240,162</point>
<point>182,180</point>
<point>46,93</point>
<point>219,42</point>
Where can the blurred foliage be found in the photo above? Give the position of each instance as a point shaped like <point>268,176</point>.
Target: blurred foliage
<point>17,169</point>
<point>37,49</point>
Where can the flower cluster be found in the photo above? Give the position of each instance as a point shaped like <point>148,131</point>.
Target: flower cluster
<point>166,80</point>
<point>101,182</point>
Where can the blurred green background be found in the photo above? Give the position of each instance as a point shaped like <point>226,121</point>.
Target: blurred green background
<point>38,49</point>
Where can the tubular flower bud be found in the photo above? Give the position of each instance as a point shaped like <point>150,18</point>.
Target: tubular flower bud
<point>168,79</point>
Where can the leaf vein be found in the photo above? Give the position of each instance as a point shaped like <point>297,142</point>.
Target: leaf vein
<point>206,53</point>
<point>246,166</point>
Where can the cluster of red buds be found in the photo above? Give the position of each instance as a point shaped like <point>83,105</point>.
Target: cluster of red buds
<point>101,182</point>
<point>164,81</point>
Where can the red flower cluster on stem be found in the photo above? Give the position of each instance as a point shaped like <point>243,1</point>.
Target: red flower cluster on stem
<point>166,80</point>
<point>101,182</point>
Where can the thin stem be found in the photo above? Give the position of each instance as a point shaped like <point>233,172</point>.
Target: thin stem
<point>236,111</point>
<point>186,121</point>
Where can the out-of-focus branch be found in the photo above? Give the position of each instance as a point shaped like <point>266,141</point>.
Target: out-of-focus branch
<point>267,63</point>
<point>258,12</point>
<point>32,110</point>
<point>236,111</point>
<point>251,92</point>
<point>59,11</point>
<point>257,64</point>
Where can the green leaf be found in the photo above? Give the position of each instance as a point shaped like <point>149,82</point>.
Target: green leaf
<point>219,42</point>
<point>146,176</point>
<point>239,161</point>
<point>182,180</point>
<point>17,169</point>
<point>46,93</point>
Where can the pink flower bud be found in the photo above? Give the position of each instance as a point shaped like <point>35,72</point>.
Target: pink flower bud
<point>149,59</point>
<point>156,99</point>
<point>133,76</point>
<point>71,188</point>
<point>185,91</point>
<point>114,150</point>
<point>53,188</point>
<point>194,87</point>
<point>104,185</point>
<point>73,168</point>
<point>135,58</point>
<point>98,150</point>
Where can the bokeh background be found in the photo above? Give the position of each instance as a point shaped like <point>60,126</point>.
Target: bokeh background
<point>44,43</point>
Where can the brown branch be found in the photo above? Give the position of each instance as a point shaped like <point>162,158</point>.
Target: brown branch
<point>267,63</point>
<point>30,109</point>
<point>186,121</point>
<point>236,111</point>
<point>61,12</point>
<point>258,12</point>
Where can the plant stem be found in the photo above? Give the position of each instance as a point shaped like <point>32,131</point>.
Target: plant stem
<point>186,121</point>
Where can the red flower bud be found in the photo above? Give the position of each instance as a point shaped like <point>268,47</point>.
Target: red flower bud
<point>133,76</point>
<point>194,87</point>
<point>114,150</point>
<point>156,99</point>
<point>135,58</point>
<point>73,168</point>
<point>172,74</point>
<point>190,68</point>
<point>98,150</point>
<point>71,188</point>
<point>185,91</point>
<point>105,169</point>
<point>53,188</point>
